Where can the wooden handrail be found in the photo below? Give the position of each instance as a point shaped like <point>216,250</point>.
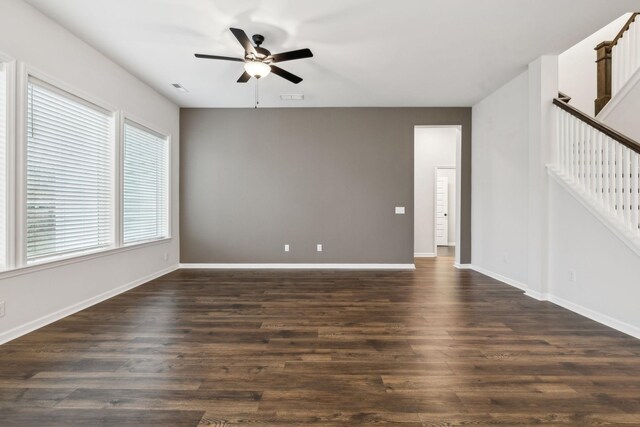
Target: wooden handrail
<point>611,133</point>
<point>624,29</point>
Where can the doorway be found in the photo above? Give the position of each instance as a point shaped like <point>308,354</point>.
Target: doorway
<point>445,211</point>
<point>437,157</point>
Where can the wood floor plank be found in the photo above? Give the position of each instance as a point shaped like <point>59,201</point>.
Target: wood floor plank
<point>431,347</point>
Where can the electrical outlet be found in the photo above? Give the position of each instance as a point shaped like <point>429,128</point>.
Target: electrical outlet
<point>1,308</point>
<point>286,247</point>
<point>166,256</point>
<point>572,276</point>
<point>319,247</point>
<point>505,258</point>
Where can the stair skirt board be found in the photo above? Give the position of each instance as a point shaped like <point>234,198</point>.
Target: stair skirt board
<point>619,97</point>
<point>600,214</point>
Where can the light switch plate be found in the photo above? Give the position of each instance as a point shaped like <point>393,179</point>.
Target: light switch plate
<point>286,248</point>
<point>399,210</point>
<point>319,247</point>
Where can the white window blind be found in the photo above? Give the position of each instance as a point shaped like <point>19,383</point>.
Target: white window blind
<point>3,167</point>
<point>145,185</point>
<point>69,174</point>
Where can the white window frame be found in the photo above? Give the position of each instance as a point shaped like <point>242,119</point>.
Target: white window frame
<point>83,98</point>
<point>16,167</point>
<point>124,118</point>
<point>10,125</point>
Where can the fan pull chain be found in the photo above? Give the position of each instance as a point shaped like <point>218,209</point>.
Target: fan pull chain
<point>257,94</point>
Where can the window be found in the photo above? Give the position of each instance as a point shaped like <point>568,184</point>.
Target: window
<point>3,167</point>
<point>145,185</point>
<point>69,178</point>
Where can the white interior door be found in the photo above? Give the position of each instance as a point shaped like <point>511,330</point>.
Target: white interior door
<point>442,211</point>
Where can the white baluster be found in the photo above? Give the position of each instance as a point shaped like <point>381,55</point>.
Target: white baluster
<point>574,144</point>
<point>587,157</point>
<point>635,196</point>
<point>567,133</point>
<point>577,152</point>
<point>626,58</point>
<point>619,213</point>
<point>583,155</point>
<point>615,69</point>
<point>599,160</point>
<point>613,175</point>
<point>632,46</point>
<point>593,153</point>
<point>625,185</point>
<point>606,195</point>
<point>558,141</point>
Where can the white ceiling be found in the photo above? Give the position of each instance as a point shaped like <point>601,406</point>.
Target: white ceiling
<point>367,52</point>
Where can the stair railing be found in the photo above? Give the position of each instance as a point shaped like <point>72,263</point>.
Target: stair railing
<point>625,54</point>
<point>601,162</point>
<point>617,61</point>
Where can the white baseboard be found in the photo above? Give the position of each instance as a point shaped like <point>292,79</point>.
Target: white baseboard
<point>50,318</point>
<point>463,266</point>
<point>540,296</point>
<point>501,278</point>
<point>270,266</point>
<point>609,321</point>
<point>628,329</point>
<point>424,255</point>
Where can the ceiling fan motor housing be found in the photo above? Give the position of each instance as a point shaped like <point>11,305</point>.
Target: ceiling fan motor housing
<point>258,39</point>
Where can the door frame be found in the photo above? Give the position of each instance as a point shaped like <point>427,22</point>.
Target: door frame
<point>435,208</point>
<point>458,167</point>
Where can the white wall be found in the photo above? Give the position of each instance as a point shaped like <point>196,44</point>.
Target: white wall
<point>37,296</point>
<point>607,285</point>
<point>577,67</point>
<point>500,168</point>
<point>546,232</point>
<point>433,146</point>
<point>450,174</point>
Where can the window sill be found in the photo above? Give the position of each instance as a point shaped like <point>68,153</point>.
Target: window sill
<point>72,259</point>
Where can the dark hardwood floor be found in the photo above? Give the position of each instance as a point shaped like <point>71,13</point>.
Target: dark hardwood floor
<point>434,347</point>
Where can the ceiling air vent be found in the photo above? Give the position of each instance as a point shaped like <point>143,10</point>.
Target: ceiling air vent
<point>292,97</point>
<point>179,87</point>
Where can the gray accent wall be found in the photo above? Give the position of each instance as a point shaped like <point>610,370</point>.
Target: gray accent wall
<point>252,181</point>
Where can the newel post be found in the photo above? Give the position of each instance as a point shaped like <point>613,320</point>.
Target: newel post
<point>603,61</point>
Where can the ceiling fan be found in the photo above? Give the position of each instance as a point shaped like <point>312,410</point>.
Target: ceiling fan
<point>258,61</point>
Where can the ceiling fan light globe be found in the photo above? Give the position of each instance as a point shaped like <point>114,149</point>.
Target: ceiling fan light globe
<point>257,69</point>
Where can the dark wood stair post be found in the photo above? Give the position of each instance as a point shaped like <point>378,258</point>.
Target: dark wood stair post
<point>603,61</point>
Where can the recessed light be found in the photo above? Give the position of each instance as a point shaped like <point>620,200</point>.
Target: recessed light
<point>292,97</point>
<point>179,87</point>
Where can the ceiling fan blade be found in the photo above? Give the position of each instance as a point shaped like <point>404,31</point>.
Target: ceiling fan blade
<point>244,40</point>
<point>285,74</point>
<point>290,56</point>
<point>245,77</point>
<point>224,58</point>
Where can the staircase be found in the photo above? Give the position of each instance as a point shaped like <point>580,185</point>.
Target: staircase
<point>619,80</point>
<point>602,165</point>
<point>625,54</point>
<point>599,161</point>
